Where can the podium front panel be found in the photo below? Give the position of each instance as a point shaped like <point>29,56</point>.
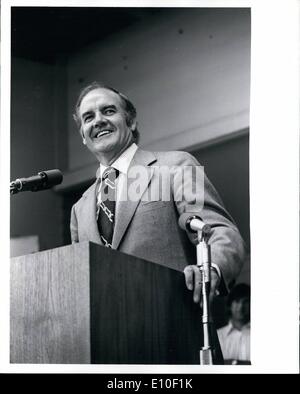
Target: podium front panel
<point>85,303</point>
<point>50,307</point>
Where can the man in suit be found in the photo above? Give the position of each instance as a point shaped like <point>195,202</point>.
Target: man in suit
<point>145,216</point>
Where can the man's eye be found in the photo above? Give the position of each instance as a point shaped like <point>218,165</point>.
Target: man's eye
<point>109,111</point>
<point>87,119</point>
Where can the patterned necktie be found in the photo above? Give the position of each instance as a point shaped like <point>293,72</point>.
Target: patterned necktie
<point>106,205</point>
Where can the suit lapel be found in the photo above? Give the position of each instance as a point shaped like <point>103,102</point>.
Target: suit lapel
<point>126,208</point>
<point>89,214</point>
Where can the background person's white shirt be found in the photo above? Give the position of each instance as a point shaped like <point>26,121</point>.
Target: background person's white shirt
<point>235,344</point>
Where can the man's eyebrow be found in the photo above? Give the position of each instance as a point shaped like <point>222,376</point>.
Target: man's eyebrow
<point>104,107</point>
<point>109,106</point>
<point>86,113</point>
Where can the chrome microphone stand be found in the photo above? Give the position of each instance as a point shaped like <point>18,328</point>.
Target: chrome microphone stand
<point>204,264</point>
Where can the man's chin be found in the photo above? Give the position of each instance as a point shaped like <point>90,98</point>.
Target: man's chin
<point>103,145</point>
<point>101,149</point>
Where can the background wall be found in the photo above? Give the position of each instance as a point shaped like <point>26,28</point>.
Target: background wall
<point>186,70</point>
<point>33,150</point>
<point>227,166</point>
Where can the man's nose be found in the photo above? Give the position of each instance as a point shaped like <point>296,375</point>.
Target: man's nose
<point>99,119</point>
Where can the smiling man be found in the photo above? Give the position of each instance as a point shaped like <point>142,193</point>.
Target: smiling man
<point>148,227</point>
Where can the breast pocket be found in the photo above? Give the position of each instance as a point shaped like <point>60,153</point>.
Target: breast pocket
<point>146,206</point>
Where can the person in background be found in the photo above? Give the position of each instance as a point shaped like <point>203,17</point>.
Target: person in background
<point>235,336</point>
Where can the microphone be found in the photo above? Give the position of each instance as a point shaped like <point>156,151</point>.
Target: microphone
<point>44,180</point>
<point>193,223</point>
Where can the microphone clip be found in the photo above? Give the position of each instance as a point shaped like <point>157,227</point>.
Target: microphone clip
<point>204,230</point>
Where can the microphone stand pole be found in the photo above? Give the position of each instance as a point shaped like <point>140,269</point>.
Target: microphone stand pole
<point>204,264</point>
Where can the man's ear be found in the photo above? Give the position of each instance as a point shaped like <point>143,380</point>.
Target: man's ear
<point>133,125</point>
<point>82,136</point>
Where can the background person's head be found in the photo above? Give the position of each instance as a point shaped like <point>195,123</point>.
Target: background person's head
<point>106,119</point>
<point>238,303</point>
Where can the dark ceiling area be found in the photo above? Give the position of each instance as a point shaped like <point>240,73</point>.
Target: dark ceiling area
<point>45,33</point>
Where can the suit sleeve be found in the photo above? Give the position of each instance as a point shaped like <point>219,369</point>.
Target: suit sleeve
<point>74,226</point>
<point>199,197</point>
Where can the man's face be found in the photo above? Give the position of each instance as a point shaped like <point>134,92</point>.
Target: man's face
<point>240,310</point>
<point>104,128</point>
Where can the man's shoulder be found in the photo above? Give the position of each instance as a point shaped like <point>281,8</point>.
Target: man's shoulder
<point>172,157</point>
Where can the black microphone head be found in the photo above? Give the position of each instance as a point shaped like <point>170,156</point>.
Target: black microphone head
<point>53,177</point>
<point>43,181</point>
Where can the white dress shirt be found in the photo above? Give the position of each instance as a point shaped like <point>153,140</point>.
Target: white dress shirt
<point>235,344</point>
<point>122,164</point>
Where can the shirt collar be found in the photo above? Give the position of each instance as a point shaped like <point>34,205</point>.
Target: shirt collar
<point>122,163</point>
<point>246,326</point>
<point>231,328</point>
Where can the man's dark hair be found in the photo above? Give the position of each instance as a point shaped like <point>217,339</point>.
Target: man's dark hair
<point>241,290</point>
<point>128,106</point>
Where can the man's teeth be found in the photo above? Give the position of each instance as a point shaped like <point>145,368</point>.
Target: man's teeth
<point>101,133</point>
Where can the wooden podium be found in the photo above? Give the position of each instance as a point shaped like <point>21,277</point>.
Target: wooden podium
<point>84,303</point>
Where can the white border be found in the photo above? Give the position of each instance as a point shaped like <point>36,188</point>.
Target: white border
<point>274,198</point>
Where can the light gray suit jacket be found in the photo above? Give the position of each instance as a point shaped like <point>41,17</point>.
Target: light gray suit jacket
<point>149,229</point>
